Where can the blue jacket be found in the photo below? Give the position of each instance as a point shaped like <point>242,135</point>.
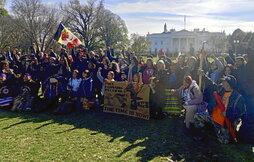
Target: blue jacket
<point>86,88</point>
<point>236,108</point>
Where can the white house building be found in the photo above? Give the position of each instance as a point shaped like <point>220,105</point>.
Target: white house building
<point>184,41</point>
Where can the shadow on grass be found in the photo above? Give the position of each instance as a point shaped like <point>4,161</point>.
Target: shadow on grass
<point>158,137</point>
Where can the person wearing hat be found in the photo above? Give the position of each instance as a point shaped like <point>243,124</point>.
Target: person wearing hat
<point>232,100</point>
<point>29,85</point>
<point>6,91</point>
<point>28,91</point>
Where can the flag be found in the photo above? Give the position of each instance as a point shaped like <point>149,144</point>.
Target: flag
<point>219,118</point>
<point>5,101</point>
<point>66,37</point>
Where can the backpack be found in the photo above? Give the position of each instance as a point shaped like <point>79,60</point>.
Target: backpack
<point>52,88</point>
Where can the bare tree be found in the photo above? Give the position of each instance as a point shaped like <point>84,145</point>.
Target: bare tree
<point>36,21</point>
<point>83,19</point>
<point>5,30</point>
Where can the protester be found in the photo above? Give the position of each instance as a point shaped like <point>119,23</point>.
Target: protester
<point>30,85</point>
<point>85,90</point>
<point>191,97</point>
<point>175,76</point>
<point>215,70</point>
<point>57,74</point>
<point>115,68</point>
<point>191,68</point>
<point>7,91</point>
<point>228,69</point>
<point>73,84</point>
<point>159,83</point>
<point>110,78</point>
<point>234,104</point>
<point>148,71</point>
<point>133,69</point>
<point>240,74</point>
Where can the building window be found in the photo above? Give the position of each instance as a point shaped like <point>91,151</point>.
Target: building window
<point>155,43</point>
<point>161,42</point>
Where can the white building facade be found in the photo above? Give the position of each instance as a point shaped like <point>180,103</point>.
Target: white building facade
<point>184,41</point>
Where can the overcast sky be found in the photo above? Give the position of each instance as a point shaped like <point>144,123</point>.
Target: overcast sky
<point>143,16</point>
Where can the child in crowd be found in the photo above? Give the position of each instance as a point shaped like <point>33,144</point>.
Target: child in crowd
<point>85,90</point>
<point>73,84</point>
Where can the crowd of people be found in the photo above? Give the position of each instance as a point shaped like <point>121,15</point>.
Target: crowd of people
<point>79,78</point>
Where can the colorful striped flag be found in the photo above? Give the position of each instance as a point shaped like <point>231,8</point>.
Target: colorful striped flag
<point>66,37</point>
<point>5,101</point>
<point>172,104</point>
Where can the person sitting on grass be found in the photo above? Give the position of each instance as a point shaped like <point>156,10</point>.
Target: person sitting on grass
<point>6,92</point>
<point>229,115</point>
<point>29,85</point>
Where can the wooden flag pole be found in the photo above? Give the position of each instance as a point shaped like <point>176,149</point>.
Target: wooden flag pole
<point>201,64</point>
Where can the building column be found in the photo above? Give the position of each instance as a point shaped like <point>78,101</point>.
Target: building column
<point>171,45</point>
<point>187,44</point>
<point>179,44</point>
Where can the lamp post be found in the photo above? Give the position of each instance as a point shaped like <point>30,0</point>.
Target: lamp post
<point>236,43</point>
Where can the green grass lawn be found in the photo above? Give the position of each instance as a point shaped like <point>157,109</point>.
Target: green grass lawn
<point>97,136</point>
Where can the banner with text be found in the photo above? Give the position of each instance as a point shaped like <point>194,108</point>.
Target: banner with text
<point>127,98</point>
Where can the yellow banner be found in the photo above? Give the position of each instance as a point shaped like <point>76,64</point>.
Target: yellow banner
<point>126,98</point>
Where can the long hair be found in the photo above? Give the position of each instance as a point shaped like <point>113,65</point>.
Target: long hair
<point>112,73</point>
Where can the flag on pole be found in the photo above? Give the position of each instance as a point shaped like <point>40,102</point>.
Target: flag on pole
<point>66,37</point>
<point>218,116</point>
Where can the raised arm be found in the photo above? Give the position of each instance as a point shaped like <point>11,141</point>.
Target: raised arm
<point>99,75</point>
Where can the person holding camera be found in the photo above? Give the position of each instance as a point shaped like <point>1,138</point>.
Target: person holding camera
<point>73,84</point>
